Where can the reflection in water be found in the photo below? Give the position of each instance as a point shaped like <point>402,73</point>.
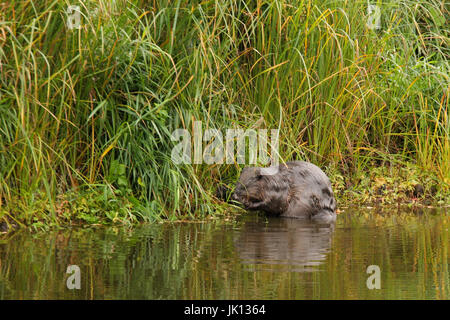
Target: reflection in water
<point>298,243</point>
<point>253,257</point>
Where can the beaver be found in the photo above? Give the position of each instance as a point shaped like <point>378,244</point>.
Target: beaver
<point>297,189</point>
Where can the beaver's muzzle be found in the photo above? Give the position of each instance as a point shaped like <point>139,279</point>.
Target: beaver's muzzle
<point>234,196</point>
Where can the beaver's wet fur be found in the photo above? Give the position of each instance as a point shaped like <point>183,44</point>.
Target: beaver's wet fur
<point>298,189</point>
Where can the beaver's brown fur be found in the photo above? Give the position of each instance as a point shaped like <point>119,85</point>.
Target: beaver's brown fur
<point>298,189</point>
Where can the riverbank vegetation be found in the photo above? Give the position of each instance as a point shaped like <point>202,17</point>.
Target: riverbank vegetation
<point>86,114</point>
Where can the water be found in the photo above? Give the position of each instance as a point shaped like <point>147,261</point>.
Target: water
<point>253,257</point>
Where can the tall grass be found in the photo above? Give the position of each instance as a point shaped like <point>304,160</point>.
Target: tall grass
<point>95,107</point>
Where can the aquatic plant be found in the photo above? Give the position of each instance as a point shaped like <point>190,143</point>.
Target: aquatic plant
<point>92,109</point>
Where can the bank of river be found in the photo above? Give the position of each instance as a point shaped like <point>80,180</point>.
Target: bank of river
<point>251,257</point>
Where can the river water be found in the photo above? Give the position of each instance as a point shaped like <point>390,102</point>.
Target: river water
<point>250,257</point>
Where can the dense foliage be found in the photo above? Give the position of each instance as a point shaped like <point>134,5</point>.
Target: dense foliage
<point>86,115</point>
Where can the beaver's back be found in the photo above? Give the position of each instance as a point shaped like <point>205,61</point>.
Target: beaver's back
<point>310,191</point>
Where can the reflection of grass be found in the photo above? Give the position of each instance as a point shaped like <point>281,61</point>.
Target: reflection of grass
<point>92,110</point>
<point>410,248</point>
<point>202,261</point>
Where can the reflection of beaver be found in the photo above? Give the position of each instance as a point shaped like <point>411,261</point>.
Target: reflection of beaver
<point>300,244</point>
<point>298,189</point>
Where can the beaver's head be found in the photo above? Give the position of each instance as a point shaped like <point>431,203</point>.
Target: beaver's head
<point>250,188</point>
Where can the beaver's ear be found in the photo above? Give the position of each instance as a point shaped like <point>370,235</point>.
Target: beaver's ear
<point>258,173</point>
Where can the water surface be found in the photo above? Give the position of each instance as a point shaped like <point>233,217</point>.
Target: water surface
<point>254,257</point>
